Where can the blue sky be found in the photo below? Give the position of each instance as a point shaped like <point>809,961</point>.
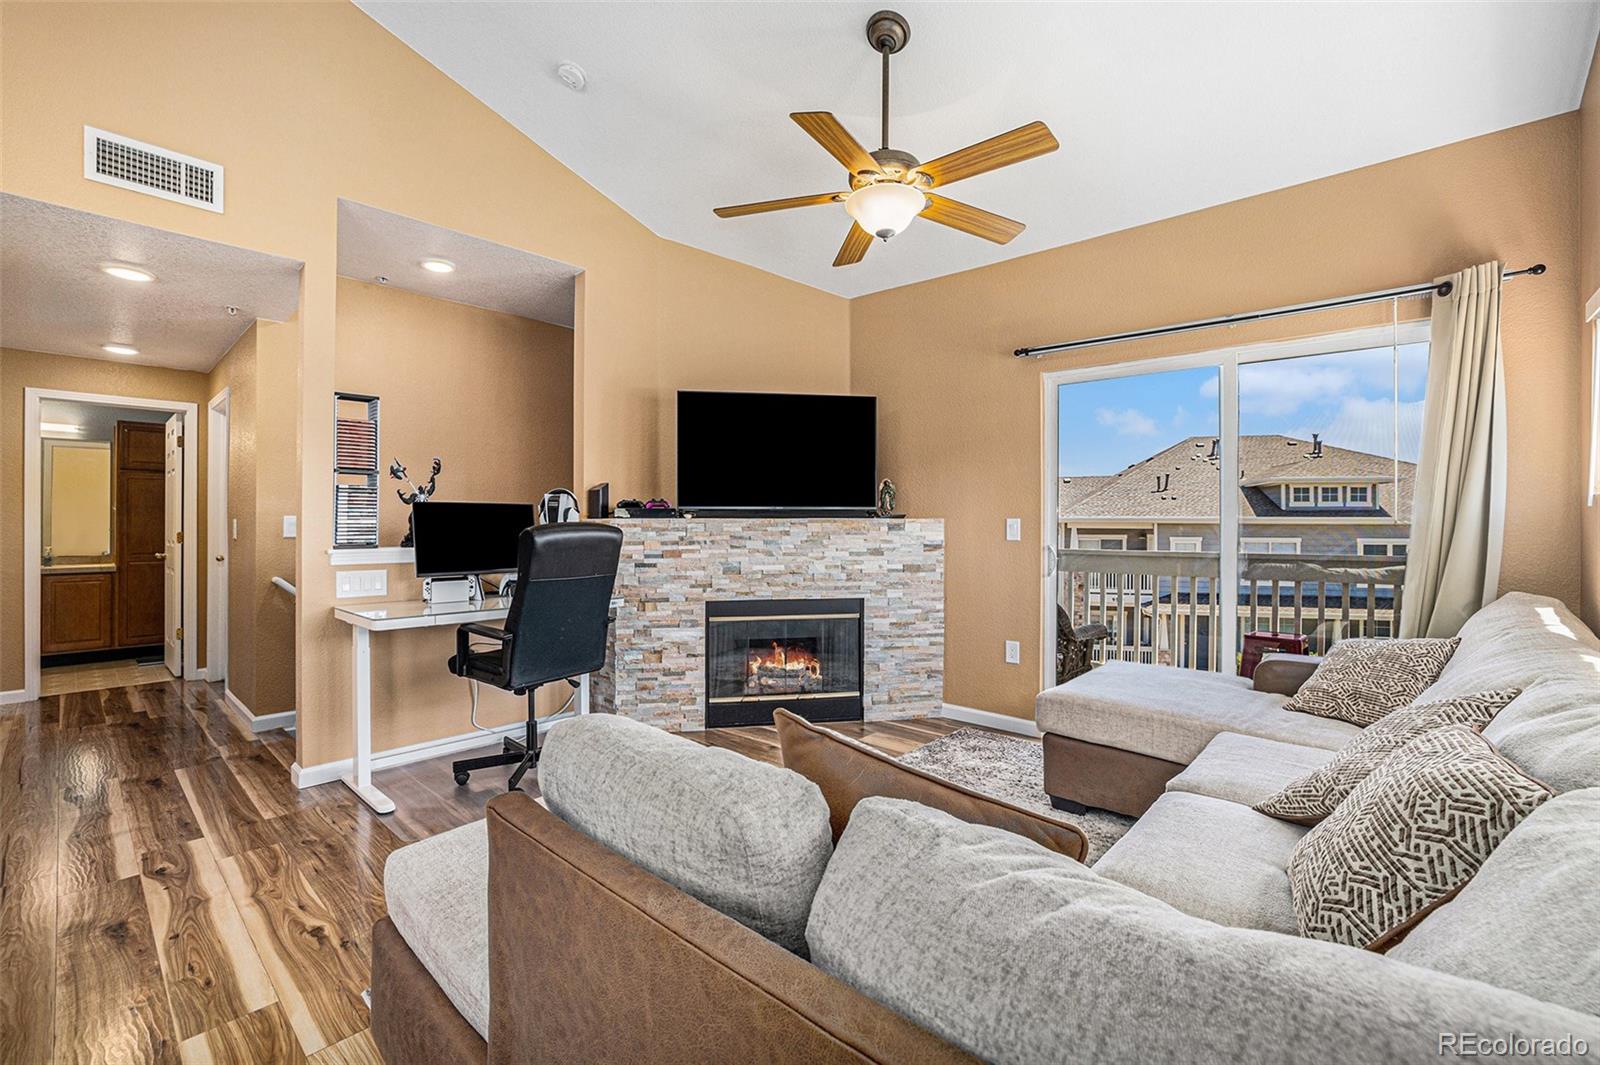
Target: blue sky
<point>1348,397</point>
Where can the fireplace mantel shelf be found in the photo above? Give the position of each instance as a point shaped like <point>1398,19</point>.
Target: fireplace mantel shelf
<point>671,567</point>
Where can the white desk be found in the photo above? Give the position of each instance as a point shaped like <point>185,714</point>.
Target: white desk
<point>406,614</point>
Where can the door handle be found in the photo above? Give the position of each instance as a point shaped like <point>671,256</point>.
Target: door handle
<point>219,558</point>
<point>160,555</point>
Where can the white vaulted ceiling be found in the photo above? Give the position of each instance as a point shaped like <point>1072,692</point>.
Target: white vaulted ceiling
<point>1160,109</point>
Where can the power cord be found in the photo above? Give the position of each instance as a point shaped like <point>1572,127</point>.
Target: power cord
<point>473,686</point>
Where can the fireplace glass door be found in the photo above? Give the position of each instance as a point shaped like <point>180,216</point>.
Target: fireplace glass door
<point>801,654</point>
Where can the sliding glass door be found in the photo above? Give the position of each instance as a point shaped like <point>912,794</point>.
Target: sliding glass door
<point>1149,560</point>
<point>1134,545</point>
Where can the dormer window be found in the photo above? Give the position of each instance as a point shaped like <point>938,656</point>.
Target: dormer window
<point>1328,495</point>
<point>1300,495</point>
<point>1360,495</point>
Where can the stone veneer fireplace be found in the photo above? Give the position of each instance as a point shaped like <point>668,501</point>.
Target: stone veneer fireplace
<point>675,573</point>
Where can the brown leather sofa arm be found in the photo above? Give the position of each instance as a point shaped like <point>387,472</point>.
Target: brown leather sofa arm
<point>1282,674</point>
<point>592,959</point>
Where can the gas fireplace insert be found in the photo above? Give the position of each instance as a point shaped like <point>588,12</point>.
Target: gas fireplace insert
<point>800,654</point>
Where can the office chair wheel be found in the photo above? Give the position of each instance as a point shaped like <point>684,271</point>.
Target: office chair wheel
<point>461,777</point>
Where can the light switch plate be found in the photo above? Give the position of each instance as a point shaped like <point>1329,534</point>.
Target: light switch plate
<point>361,583</point>
<point>1014,652</point>
<point>1013,528</point>
<point>291,523</point>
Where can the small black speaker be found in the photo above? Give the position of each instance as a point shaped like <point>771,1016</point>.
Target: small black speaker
<point>600,500</point>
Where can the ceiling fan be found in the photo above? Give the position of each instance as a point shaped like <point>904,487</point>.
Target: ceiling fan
<point>888,187</point>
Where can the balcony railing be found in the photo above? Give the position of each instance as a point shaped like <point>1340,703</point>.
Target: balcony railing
<point>1160,608</point>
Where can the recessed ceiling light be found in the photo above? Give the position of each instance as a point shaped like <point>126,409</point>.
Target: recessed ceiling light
<point>127,273</point>
<point>118,349</point>
<point>439,266</point>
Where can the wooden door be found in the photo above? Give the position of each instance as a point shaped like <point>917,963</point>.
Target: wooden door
<point>172,635</point>
<point>140,550</point>
<point>74,612</point>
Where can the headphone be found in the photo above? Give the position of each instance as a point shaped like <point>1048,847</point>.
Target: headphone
<point>558,506</point>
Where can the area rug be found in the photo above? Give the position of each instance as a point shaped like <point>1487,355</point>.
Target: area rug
<point>1010,768</point>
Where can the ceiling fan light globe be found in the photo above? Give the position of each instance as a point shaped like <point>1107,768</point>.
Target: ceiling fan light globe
<point>886,208</point>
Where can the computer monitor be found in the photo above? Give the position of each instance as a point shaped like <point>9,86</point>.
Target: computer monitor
<point>465,539</point>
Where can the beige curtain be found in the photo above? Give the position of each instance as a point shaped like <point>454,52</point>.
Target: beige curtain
<point>1458,509</point>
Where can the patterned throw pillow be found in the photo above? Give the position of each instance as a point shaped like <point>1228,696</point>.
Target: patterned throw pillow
<point>1361,680</point>
<point>1408,837</point>
<point>1313,797</point>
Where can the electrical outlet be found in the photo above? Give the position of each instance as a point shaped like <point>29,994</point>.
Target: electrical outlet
<point>1014,652</point>
<point>361,583</point>
<point>1013,528</point>
<point>290,521</point>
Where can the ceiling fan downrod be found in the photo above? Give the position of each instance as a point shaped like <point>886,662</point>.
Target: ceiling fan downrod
<point>887,32</point>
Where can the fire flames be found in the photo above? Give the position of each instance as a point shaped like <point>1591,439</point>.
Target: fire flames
<point>784,666</point>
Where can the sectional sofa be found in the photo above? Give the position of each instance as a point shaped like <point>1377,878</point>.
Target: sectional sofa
<point>676,903</point>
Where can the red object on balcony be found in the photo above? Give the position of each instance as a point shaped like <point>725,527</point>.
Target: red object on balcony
<point>1257,644</point>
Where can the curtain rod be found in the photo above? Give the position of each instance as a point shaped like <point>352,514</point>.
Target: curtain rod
<point>1405,292</point>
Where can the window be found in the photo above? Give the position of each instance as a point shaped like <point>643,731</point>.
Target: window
<point>1360,495</point>
<point>1382,548</point>
<point>1269,545</point>
<point>1329,495</point>
<point>1099,543</point>
<point>1300,495</point>
<point>1184,543</point>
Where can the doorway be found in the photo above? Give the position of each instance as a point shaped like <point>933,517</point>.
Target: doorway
<point>217,537</point>
<point>112,591</point>
<point>1255,496</point>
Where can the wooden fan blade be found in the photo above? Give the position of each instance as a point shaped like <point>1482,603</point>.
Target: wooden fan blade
<point>1024,142</point>
<point>777,205</point>
<point>826,131</point>
<point>969,219</point>
<point>854,248</point>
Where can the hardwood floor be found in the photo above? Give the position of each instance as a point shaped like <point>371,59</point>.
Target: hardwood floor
<point>166,895</point>
<point>91,676</point>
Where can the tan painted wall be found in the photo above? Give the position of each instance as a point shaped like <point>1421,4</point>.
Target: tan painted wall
<point>277,477</point>
<point>237,371</point>
<point>303,104</point>
<point>1589,238</point>
<point>21,370</point>
<point>498,411</point>
<point>960,421</point>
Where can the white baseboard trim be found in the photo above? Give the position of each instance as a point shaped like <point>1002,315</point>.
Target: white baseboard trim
<point>17,695</point>
<point>989,719</point>
<point>327,772</point>
<point>255,722</point>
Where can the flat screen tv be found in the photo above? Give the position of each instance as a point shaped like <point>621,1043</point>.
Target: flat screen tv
<point>777,451</point>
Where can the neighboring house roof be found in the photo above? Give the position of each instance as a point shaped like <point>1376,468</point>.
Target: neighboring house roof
<point>1190,492</point>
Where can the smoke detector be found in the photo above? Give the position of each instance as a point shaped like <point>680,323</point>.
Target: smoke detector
<point>572,76</point>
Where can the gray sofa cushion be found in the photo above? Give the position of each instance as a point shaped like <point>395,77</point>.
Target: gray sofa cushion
<point>746,838</point>
<point>437,891</point>
<point>1314,796</point>
<point>1408,837</point>
<point>1172,713</point>
<point>1360,681</point>
<point>1210,858</point>
<point>1020,955</point>
<point>1530,919</point>
<point>1535,643</point>
<point>1247,769</point>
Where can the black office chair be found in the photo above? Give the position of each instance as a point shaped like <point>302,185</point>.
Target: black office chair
<point>556,629</point>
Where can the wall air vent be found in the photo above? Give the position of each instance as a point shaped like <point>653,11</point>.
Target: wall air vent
<point>130,164</point>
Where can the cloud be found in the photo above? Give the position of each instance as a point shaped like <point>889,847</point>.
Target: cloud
<point>1127,422</point>
<point>1285,386</point>
<point>1368,425</point>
